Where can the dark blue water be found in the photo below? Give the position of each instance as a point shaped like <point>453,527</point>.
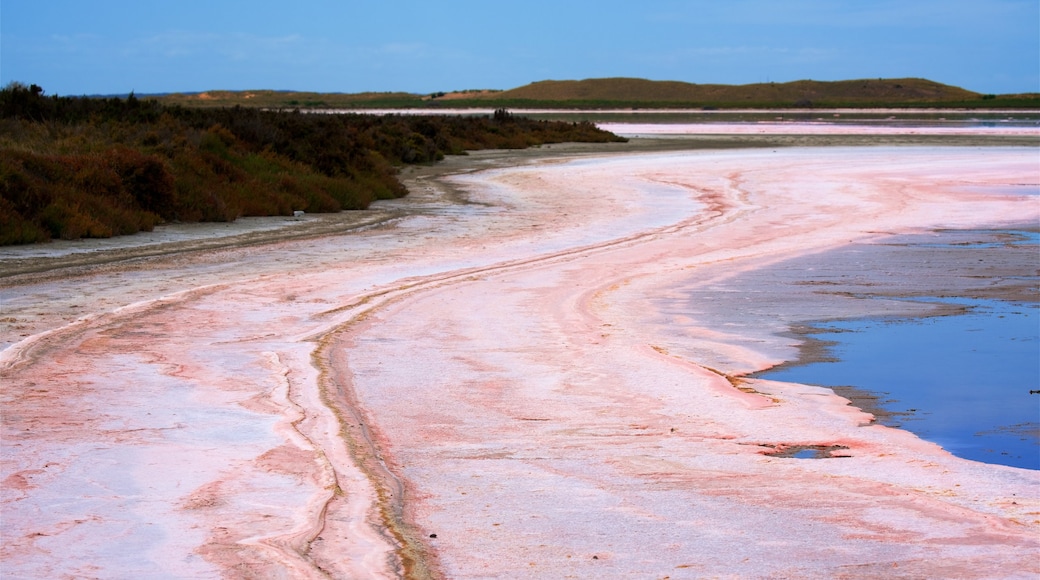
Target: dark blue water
<point>963,381</point>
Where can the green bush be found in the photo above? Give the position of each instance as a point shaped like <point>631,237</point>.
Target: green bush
<point>80,167</point>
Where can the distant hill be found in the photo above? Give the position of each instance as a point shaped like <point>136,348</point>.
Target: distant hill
<point>807,93</point>
<point>634,93</point>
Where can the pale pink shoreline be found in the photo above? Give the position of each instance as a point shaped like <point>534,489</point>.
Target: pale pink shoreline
<point>997,128</point>
<point>902,112</point>
<point>514,378</point>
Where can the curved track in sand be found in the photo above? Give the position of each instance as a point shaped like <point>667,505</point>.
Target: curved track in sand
<point>498,388</point>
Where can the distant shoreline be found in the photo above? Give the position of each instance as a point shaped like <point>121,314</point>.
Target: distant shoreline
<point>17,262</point>
<point>671,111</point>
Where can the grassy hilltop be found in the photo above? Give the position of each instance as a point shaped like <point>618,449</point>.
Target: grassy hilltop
<point>641,93</point>
<point>792,94</point>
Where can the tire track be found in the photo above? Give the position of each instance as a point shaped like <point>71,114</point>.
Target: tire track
<point>417,559</point>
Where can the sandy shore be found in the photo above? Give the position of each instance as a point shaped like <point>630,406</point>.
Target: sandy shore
<point>492,378</point>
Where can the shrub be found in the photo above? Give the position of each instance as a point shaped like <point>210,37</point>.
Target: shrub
<point>72,167</point>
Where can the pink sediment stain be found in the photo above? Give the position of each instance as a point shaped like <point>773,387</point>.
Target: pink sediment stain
<point>506,371</point>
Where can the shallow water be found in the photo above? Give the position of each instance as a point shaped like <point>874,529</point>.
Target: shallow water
<point>961,381</point>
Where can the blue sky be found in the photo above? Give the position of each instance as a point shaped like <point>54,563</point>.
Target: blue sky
<point>73,47</point>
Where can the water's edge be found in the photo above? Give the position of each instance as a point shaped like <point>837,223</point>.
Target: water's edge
<point>964,375</point>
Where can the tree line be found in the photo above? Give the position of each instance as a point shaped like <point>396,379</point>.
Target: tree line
<point>73,167</point>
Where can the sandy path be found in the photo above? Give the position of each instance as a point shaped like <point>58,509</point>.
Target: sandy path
<point>507,367</point>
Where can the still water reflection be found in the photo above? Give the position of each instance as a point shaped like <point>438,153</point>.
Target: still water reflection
<point>961,381</point>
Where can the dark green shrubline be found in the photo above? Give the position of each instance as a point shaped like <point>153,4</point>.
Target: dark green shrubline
<point>73,167</point>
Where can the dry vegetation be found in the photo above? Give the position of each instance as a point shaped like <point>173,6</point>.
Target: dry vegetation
<point>80,167</point>
<point>292,99</point>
